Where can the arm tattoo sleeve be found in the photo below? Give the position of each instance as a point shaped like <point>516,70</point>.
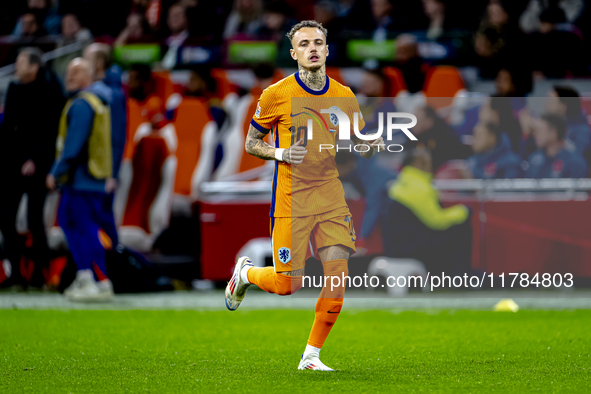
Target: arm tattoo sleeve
<point>255,145</point>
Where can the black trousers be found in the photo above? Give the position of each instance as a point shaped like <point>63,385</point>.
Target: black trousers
<point>405,236</point>
<point>14,245</point>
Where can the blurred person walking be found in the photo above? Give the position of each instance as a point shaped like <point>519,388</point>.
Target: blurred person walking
<point>83,168</point>
<point>27,146</point>
<point>107,83</point>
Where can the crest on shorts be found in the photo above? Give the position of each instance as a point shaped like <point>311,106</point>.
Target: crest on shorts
<point>284,255</point>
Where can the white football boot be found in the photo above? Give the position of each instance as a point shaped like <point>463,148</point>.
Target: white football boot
<point>105,287</point>
<point>85,289</point>
<point>312,362</point>
<point>237,287</point>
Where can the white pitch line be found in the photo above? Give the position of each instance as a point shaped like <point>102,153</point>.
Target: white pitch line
<point>306,300</point>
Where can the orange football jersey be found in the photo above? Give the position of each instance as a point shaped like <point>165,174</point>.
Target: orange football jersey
<point>312,187</point>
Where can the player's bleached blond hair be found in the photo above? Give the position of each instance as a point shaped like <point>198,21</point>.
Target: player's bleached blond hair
<point>303,24</point>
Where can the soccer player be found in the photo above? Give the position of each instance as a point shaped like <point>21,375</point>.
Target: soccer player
<point>308,208</point>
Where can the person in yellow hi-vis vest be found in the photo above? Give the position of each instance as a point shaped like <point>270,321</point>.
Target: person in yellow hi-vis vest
<point>82,166</point>
<point>417,226</point>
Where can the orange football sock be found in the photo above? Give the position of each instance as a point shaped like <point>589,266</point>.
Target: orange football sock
<point>272,282</point>
<point>329,303</point>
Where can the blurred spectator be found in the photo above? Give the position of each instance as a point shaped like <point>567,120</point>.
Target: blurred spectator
<point>179,32</point>
<point>27,148</point>
<point>493,157</point>
<point>326,12</point>
<point>276,21</point>
<point>557,53</point>
<point>264,74</point>
<point>514,81</point>
<point>177,24</point>
<point>374,84</point>
<point>72,31</point>
<point>552,160</point>
<point>47,15</point>
<point>498,39</point>
<point>102,17</point>
<point>408,60</point>
<point>416,226</point>
<point>136,30</point>
<point>370,178</point>
<point>530,19</point>
<point>141,87</point>
<point>382,15</point>
<point>203,85</point>
<point>498,110</point>
<point>82,166</point>
<point>565,101</point>
<point>435,11</point>
<point>206,19</point>
<point>31,27</point>
<point>439,137</point>
<point>140,84</point>
<point>355,16</point>
<point>245,18</point>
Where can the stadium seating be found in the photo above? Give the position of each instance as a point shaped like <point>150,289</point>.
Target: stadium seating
<point>196,133</point>
<point>224,86</point>
<point>396,81</point>
<point>335,73</point>
<point>147,208</point>
<point>442,84</point>
<point>163,84</point>
<point>236,160</point>
<point>138,116</point>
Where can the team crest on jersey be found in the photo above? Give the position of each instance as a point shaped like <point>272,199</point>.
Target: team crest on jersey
<point>334,119</point>
<point>284,255</point>
<point>258,111</point>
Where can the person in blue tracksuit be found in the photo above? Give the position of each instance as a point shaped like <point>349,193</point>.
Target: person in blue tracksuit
<point>107,83</point>
<point>552,159</point>
<point>565,101</point>
<point>82,168</point>
<point>493,157</point>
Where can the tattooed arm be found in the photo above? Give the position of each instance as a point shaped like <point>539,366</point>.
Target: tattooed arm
<point>255,146</point>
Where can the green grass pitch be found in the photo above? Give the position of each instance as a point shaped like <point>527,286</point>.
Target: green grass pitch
<point>258,351</point>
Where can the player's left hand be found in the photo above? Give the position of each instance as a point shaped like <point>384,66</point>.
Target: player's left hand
<point>375,144</point>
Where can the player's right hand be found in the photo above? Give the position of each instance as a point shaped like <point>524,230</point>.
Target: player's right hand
<point>295,154</point>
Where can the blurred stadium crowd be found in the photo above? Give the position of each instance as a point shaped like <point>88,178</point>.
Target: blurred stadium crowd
<point>191,72</point>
